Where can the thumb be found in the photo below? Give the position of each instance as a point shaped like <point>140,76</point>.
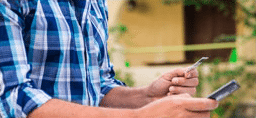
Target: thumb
<point>200,104</point>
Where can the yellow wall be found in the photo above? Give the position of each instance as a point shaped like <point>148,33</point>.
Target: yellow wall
<point>153,24</point>
<point>246,48</point>
<point>114,7</point>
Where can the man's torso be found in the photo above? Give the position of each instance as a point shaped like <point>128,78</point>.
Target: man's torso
<point>65,44</point>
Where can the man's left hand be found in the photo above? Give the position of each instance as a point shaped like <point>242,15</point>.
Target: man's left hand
<point>174,82</point>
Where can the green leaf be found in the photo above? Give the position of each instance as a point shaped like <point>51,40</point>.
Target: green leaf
<point>254,32</point>
<point>250,62</point>
<point>127,64</point>
<point>217,76</point>
<point>209,79</point>
<point>123,28</point>
<point>222,6</point>
<point>228,104</point>
<point>216,61</point>
<point>220,111</point>
<point>190,2</point>
<point>233,56</point>
<point>198,7</point>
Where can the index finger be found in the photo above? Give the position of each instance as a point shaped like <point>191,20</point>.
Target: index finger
<point>179,72</point>
<point>200,104</point>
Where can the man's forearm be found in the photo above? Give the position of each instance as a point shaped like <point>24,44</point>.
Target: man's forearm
<point>125,97</point>
<point>59,109</point>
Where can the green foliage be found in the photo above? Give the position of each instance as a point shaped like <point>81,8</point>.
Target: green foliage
<point>225,38</point>
<point>120,28</point>
<point>127,64</point>
<point>220,111</point>
<point>216,61</point>
<point>199,88</point>
<point>250,62</point>
<point>254,32</point>
<point>118,31</point>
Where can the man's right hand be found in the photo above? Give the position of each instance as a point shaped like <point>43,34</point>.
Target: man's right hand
<point>178,106</point>
<point>175,106</point>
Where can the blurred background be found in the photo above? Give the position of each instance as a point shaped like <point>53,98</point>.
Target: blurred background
<point>151,37</point>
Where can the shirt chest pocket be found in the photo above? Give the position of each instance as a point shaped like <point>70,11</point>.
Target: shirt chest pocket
<point>51,24</point>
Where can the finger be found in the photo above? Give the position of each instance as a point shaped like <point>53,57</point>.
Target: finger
<point>192,74</point>
<point>199,114</point>
<point>181,81</point>
<point>179,72</point>
<point>200,104</point>
<point>180,90</point>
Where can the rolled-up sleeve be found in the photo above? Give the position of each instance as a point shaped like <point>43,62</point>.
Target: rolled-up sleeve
<point>18,94</point>
<point>108,81</point>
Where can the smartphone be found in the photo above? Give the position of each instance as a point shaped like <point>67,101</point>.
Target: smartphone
<point>196,64</point>
<point>224,91</point>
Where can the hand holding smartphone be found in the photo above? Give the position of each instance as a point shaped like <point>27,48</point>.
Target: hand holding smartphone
<point>224,91</point>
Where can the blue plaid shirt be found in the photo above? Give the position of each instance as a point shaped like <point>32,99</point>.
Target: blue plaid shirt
<point>53,49</point>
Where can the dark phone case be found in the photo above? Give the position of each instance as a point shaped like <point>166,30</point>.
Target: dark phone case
<point>225,90</point>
